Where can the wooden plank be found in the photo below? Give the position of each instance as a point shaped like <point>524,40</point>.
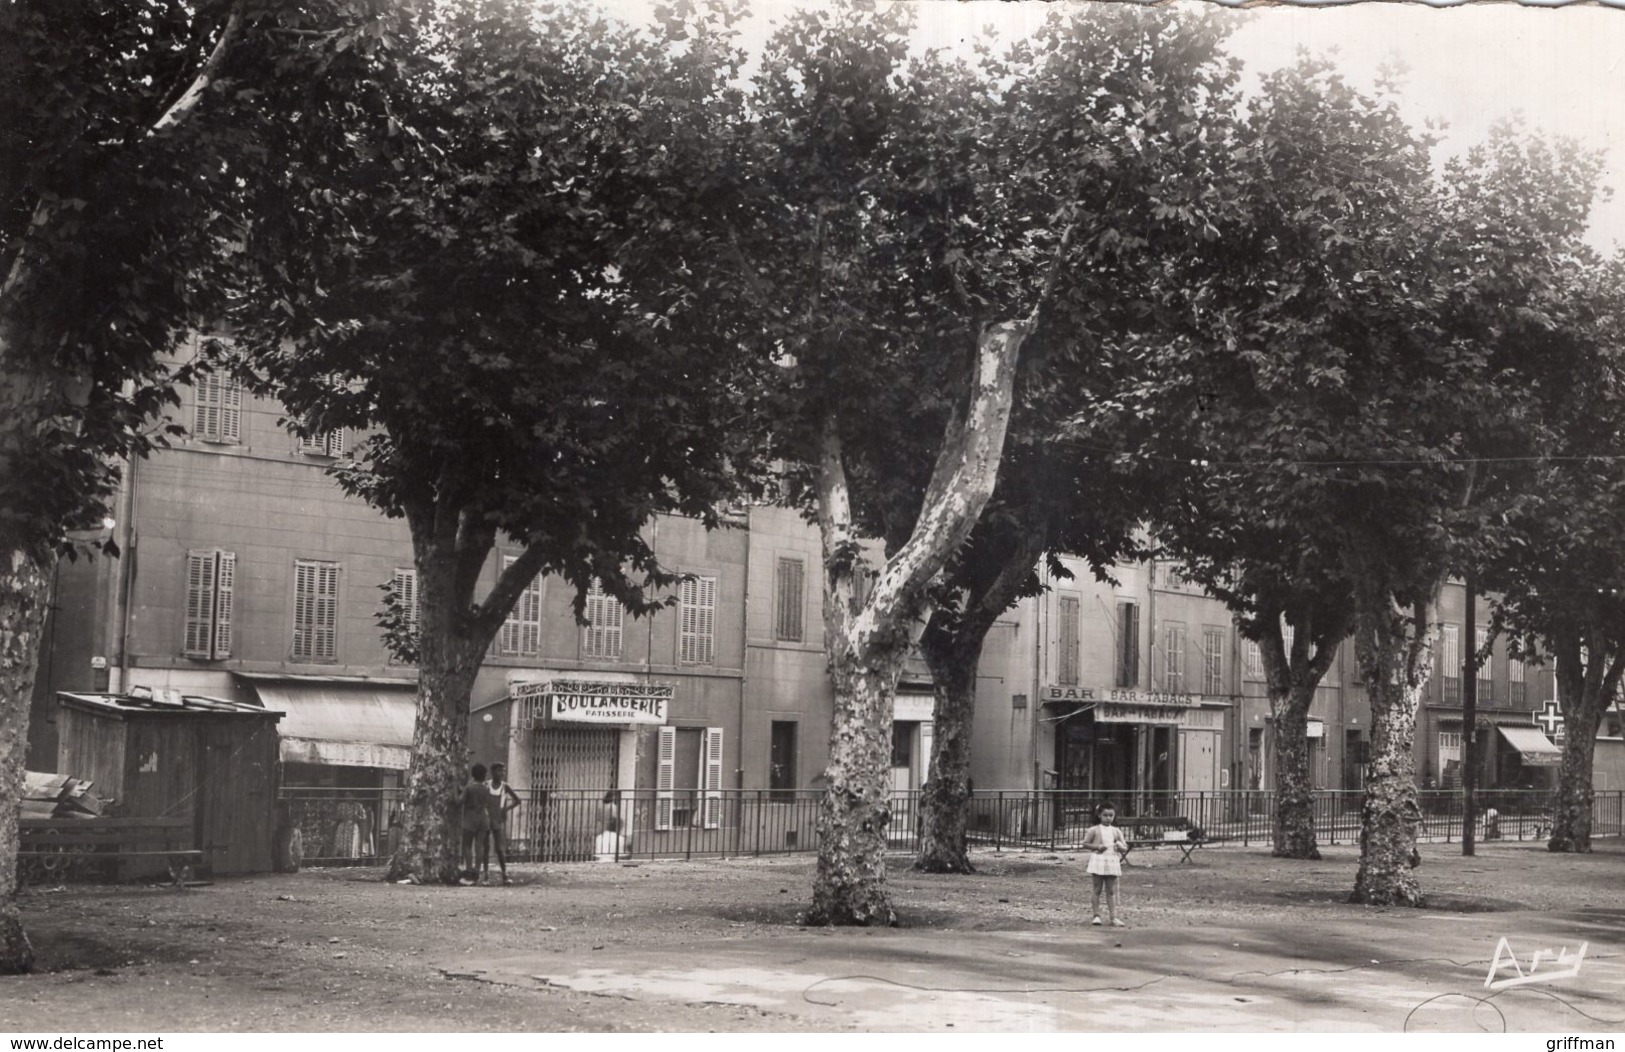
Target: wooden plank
<point>109,838</point>
<point>106,823</point>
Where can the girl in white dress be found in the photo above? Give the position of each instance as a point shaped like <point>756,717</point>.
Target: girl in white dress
<point>1107,846</point>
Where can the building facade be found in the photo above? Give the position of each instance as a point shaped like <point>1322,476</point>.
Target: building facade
<point>247,575</point>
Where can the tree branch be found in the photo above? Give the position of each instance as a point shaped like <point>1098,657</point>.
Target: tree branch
<point>183,107</point>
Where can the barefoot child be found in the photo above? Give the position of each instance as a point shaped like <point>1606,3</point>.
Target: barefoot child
<point>1107,846</point>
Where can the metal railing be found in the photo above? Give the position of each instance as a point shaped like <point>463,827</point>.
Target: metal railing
<point>359,826</point>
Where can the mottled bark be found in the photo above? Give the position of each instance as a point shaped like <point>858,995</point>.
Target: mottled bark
<point>1294,784</point>
<point>25,594</point>
<point>1393,644</point>
<point>1571,823</point>
<point>850,884</point>
<point>945,797</point>
<point>1590,661</point>
<point>451,646</point>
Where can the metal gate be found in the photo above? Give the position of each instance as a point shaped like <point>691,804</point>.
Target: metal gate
<point>563,825</point>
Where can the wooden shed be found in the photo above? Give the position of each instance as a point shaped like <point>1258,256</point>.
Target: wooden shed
<point>163,754</point>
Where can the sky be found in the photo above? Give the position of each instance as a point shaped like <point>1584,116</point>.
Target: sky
<point>1469,65</point>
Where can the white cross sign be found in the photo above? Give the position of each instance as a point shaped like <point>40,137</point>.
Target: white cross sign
<point>1548,718</point>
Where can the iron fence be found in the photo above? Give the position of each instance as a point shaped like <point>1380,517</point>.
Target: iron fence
<point>360,826</point>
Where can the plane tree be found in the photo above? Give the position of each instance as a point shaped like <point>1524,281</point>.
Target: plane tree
<point>1152,97</point>
<point>119,160</point>
<point>497,263</point>
<point>1355,360</point>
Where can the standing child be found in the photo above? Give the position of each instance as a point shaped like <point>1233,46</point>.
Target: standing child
<point>476,823</point>
<point>503,799</point>
<point>1107,846</point>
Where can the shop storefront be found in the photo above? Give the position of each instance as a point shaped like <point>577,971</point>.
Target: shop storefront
<point>1124,744</point>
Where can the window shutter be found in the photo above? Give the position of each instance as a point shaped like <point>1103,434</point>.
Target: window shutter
<point>508,638</point>
<point>199,600</point>
<point>225,586</point>
<point>1070,642</point>
<point>711,778</point>
<point>788,627</point>
<point>329,578</point>
<point>665,777</point>
<point>303,574</point>
<point>335,442</point>
<point>530,617</point>
<point>231,409</point>
<point>708,620</point>
<point>406,587</point>
<point>687,645</point>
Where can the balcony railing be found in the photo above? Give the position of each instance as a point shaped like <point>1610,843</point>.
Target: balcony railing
<point>360,826</point>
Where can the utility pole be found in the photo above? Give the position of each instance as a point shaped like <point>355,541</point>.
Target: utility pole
<point>1469,720</point>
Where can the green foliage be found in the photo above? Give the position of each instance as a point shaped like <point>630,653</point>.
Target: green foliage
<point>494,251</point>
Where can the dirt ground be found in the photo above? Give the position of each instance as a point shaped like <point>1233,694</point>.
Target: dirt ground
<point>340,950</point>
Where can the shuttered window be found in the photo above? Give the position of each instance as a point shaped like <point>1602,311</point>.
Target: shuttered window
<point>406,588</point>
<point>219,412</point>
<point>790,600</point>
<point>1128,645</point>
<point>1517,693</point>
<point>210,580</point>
<point>315,611</point>
<point>688,777</point>
<point>1173,674</point>
<point>324,443</point>
<point>1213,661</point>
<point>601,639</point>
<point>1070,641</point>
<point>522,629</point>
<point>697,612</point>
<point>1486,672</point>
<point>1450,649</point>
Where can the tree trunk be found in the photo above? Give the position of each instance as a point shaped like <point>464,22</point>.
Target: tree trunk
<point>945,801</point>
<point>850,884</point>
<point>1571,822</point>
<point>1294,784</point>
<point>25,595</point>
<point>448,660</point>
<point>868,641</point>
<point>1394,648</point>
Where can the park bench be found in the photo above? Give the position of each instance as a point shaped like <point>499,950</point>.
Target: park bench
<point>55,848</point>
<point>1156,831</point>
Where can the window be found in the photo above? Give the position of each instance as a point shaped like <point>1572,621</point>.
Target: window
<point>1289,634</point>
<point>209,582</point>
<point>219,412</point>
<point>1515,681</point>
<point>522,628</point>
<point>1450,651</point>
<point>697,612</point>
<point>789,601</point>
<point>1128,644</point>
<point>688,778</point>
<point>1449,759</point>
<point>406,589</point>
<point>315,611</point>
<point>1254,659</point>
<point>1173,675</point>
<point>324,444</point>
<point>1484,658</point>
<point>1213,661</point>
<point>781,761</point>
<point>601,639</point>
<point>1070,641</point>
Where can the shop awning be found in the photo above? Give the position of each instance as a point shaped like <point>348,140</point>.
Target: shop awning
<point>1534,748</point>
<point>342,723</point>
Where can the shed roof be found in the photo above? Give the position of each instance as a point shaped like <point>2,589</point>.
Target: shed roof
<point>162,703</point>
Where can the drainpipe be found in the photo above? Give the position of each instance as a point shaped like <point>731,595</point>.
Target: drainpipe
<point>122,581</point>
<point>744,654</point>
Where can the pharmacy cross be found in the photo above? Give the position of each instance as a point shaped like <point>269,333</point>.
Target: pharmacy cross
<point>1549,718</point>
